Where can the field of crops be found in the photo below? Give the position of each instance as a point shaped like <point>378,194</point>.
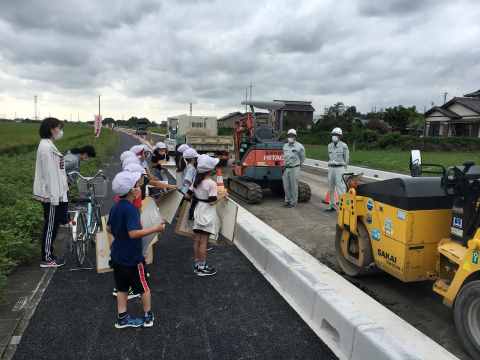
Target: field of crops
<point>21,216</point>
<point>396,160</point>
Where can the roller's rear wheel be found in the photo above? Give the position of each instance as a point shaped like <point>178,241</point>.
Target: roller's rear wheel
<point>466,313</point>
<point>354,253</point>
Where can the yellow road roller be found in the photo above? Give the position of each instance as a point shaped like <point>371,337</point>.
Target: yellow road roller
<point>419,229</point>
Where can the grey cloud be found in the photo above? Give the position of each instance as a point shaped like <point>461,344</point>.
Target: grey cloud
<point>394,8</point>
<point>208,52</point>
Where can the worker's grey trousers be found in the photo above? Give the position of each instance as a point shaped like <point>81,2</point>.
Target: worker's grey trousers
<point>290,184</point>
<point>335,183</point>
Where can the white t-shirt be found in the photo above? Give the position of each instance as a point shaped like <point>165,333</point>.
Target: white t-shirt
<point>188,177</point>
<point>205,189</point>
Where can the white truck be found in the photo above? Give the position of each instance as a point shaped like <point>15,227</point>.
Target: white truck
<point>200,132</point>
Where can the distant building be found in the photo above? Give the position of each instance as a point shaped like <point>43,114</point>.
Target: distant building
<point>295,114</point>
<point>458,117</point>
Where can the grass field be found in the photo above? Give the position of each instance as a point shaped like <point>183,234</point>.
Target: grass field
<point>21,216</point>
<point>394,160</point>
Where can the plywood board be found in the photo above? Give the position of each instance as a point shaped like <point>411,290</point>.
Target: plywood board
<point>184,226</point>
<point>168,205</point>
<point>227,213</point>
<point>102,245</point>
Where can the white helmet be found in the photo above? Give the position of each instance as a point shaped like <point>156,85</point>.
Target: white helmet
<point>292,132</point>
<point>337,131</point>
<point>160,145</point>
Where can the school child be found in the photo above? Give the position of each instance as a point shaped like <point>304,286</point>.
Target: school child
<point>190,156</point>
<point>180,164</point>
<point>205,218</point>
<point>127,259</point>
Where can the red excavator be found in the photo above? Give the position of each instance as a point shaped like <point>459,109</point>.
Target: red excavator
<point>259,160</point>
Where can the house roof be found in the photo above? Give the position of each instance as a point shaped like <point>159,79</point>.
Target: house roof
<point>295,105</point>
<point>471,103</point>
<point>473,94</point>
<point>448,113</point>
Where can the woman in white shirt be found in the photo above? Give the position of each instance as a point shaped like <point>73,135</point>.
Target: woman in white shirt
<point>50,187</point>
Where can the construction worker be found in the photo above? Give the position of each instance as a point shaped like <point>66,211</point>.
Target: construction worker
<point>294,155</point>
<point>338,157</point>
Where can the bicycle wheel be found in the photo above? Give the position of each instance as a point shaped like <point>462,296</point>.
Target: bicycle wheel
<point>80,245</point>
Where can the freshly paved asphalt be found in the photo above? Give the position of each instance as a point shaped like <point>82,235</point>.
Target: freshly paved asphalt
<point>234,315</point>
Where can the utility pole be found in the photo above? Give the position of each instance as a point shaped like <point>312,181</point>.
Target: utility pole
<point>78,116</point>
<point>99,106</point>
<point>35,99</point>
<point>191,109</point>
<point>251,88</point>
<point>246,99</point>
<point>445,97</point>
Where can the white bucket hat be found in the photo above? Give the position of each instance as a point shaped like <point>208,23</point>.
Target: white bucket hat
<point>182,148</point>
<point>190,153</point>
<point>206,163</point>
<point>134,167</point>
<point>130,160</point>
<point>127,154</point>
<point>124,181</point>
<point>160,145</point>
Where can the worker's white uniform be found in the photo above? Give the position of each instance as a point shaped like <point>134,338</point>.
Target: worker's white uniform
<point>294,156</point>
<point>338,157</point>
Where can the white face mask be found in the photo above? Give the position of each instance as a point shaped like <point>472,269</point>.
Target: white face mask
<point>291,140</point>
<point>335,138</point>
<point>58,135</point>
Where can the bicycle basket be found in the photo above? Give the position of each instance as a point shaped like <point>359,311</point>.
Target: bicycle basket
<point>100,186</point>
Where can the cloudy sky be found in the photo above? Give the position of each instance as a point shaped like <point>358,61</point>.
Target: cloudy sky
<point>153,57</point>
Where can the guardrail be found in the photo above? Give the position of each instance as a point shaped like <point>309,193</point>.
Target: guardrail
<point>352,324</point>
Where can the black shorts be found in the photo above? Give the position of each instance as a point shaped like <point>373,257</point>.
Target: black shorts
<point>127,277</point>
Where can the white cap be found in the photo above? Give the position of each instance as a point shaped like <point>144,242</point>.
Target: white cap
<point>160,145</point>
<point>133,167</point>
<point>182,148</point>
<point>337,131</point>
<point>130,160</point>
<point>206,163</point>
<point>124,181</point>
<point>292,132</point>
<point>127,154</point>
<point>190,153</point>
<point>137,149</point>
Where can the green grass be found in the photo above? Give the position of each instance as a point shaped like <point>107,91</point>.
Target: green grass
<point>21,216</point>
<point>395,160</point>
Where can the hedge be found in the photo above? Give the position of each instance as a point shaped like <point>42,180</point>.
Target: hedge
<point>369,139</point>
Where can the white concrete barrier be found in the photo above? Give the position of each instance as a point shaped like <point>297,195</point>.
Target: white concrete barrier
<point>350,322</point>
<point>369,175</point>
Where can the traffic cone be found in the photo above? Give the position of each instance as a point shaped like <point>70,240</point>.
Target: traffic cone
<point>220,184</point>
<point>326,199</point>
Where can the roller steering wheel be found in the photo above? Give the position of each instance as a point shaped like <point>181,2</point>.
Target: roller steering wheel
<point>452,179</point>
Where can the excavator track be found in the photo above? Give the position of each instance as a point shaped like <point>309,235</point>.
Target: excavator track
<point>246,190</point>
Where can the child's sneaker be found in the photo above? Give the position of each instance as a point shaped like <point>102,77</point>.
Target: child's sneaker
<point>128,321</point>
<point>51,264</point>
<point>131,294</point>
<point>205,270</point>
<point>148,319</point>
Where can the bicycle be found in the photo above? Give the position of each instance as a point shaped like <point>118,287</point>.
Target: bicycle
<point>85,213</point>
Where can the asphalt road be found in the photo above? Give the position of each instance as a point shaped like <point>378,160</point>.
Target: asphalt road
<point>314,230</point>
<point>234,315</point>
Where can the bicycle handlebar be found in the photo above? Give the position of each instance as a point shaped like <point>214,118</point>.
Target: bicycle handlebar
<point>88,179</point>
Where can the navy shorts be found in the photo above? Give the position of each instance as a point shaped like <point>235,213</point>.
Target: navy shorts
<point>127,277</point>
